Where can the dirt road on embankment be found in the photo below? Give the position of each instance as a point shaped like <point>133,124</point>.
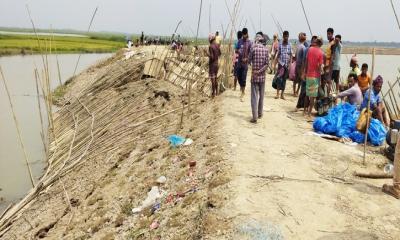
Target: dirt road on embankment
<point>287,184</point>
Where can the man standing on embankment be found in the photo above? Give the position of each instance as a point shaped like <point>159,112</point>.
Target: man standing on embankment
<point>259,59</point>
<point>284,57</point>
<point>213,54</point>
<point>243,47</point>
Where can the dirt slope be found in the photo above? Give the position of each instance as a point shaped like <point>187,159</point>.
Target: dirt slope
<point>318,197</point>
<point>132,118</point>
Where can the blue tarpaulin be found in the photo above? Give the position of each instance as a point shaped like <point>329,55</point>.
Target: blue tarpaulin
<point>341,121</point>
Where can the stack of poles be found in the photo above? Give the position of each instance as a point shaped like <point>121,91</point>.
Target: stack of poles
<point>393,107</point>
<point>368,107</point>
<point>227,57</point>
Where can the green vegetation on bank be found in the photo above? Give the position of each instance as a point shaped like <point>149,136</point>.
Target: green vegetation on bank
<point>97,43</point>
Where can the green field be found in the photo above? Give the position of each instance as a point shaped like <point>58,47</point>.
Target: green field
<point>11,44</point>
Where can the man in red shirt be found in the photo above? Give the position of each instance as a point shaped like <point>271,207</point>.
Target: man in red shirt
<point>313,69</point>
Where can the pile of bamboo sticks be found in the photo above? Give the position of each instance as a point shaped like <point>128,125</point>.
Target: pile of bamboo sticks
<point>105,117</point>
<point>391,99</point>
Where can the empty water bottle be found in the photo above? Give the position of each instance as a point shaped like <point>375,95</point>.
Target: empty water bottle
<point>388,169</point>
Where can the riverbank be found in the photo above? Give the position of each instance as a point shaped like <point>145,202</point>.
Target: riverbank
<point>236,180</point>
<point>109,148</point>
<point>13,44</point>
<point>368,50</point>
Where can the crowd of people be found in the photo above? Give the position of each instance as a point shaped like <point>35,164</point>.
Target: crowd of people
<point>175,42</point>
<point>316,74</point>
<point>314,68</point>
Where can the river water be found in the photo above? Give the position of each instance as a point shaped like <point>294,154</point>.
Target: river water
<point>19,73</point>
<point>385,65</point>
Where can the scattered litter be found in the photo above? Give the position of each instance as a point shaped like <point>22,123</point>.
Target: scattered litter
<point>192,164</point>
<point>151,199</point>
<point>260,231</point>
<point>176,141</point>
<point>154,225</point>
<point>350,143</point>
<point>175,159</point>
<point>129,54</point>
<point>388,169</point>
<point>163,94</point>
<point>155,208</point>
<point>162,180</point>
<point>132,53</point>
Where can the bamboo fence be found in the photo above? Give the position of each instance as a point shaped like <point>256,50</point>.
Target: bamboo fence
<point>101,118</point>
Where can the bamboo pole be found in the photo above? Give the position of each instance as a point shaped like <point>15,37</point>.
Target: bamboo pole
<point>394,97</point>
<point>18,128</point>
<point>278,27</point>
<point>88,30</point>
<point>368,106</point>
<point>392,102</point>
<point>58,64</point>
<point>259,3</point>
<point>395,14</point>
<point>40,111</point>
<point>305,15</point>
<point>196,43</point>
<point>209,19</point>
<point>252,25</point>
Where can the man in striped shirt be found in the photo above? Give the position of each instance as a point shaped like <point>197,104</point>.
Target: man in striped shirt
<point>259,59</point>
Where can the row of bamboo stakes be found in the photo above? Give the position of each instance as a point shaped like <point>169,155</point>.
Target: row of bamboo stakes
<point>75,128</point>
<point>391,99</point>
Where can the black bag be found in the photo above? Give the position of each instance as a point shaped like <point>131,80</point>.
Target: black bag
<point>274,84</point>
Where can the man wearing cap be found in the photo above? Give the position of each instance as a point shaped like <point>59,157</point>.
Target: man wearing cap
<point>259,59</point>
<point>376,104</point>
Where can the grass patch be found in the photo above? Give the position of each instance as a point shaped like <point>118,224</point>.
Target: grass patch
<point>59,93</point>
<point>16,44</point>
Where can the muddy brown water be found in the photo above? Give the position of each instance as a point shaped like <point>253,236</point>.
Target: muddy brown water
<point>18,71</point>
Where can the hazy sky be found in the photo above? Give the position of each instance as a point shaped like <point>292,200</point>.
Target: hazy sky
<point>355,20</point>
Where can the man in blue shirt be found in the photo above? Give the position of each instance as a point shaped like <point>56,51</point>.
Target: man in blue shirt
<point>243,47</point>
<point>376,104</point>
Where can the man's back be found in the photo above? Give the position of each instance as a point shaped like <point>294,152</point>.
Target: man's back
<point>259,56</point>
<point>300,57</point>
<point>315,58</point>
